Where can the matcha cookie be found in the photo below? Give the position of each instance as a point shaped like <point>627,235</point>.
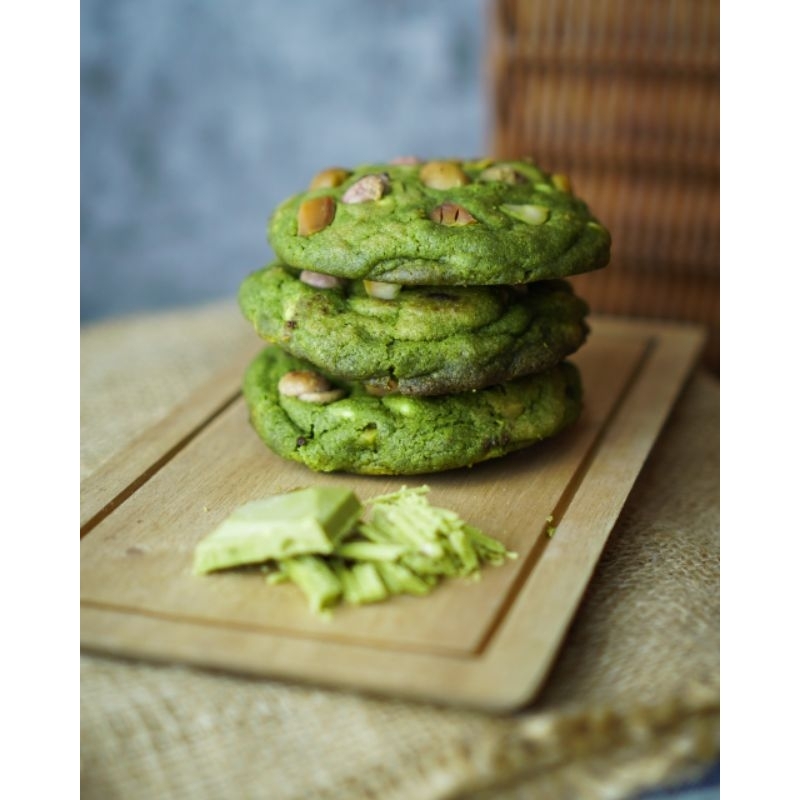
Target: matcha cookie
<point>424,341</point>
<point>305,416</point>
<point>440,223</point>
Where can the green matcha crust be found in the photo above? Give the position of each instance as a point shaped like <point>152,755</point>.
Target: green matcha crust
<point>398,435</point>
<point>394,238</point>
<point>426,341</point>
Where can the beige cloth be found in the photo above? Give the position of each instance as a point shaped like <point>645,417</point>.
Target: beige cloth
<point>632,702</point>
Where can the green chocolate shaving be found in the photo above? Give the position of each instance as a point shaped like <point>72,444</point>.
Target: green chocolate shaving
<point>334,550</point>
<point>361,583</point>
<point>316,579</point>
<point>371,551</point>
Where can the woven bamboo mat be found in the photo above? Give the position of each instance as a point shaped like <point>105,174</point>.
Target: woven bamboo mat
<point>624,97</point>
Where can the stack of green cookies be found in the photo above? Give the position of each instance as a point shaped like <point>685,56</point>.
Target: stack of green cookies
<point>418,319</point>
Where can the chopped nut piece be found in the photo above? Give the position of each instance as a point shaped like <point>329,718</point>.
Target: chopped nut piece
<point>533,215</point>
<point>443,175</point>
<point>319,280</point>
<point>452,214</point>
<point>481,163</point>
<point>328,178</point>
<point>321,398</point>
<point>370,187</point>
<point>299,382</point>
<point>382,290</point>
<point>380,388</point>
<point>315,214</point>
<point>504,174</point>
<point>561,182</point>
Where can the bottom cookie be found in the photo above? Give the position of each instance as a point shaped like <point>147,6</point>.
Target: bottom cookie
<point>400,435</point>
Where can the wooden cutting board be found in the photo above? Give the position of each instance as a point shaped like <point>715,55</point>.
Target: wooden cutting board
<point>485,644</point>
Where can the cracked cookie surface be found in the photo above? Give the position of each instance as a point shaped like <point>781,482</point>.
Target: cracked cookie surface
<point>440,223</point>
<point>400,435</point>
<point>426,340</point>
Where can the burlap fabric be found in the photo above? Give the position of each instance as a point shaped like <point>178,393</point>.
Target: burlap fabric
<point>633,700</point>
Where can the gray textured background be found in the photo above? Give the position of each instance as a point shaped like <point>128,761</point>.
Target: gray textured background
<point>198,117</point>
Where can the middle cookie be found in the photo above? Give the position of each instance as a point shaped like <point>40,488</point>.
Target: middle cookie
<point>428,340</point>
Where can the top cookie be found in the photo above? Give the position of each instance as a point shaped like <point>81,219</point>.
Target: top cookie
<point>440,223</point>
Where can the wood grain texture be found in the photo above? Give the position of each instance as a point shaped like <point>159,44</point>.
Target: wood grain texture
<point>486,644</point>
<point>118,477</point>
